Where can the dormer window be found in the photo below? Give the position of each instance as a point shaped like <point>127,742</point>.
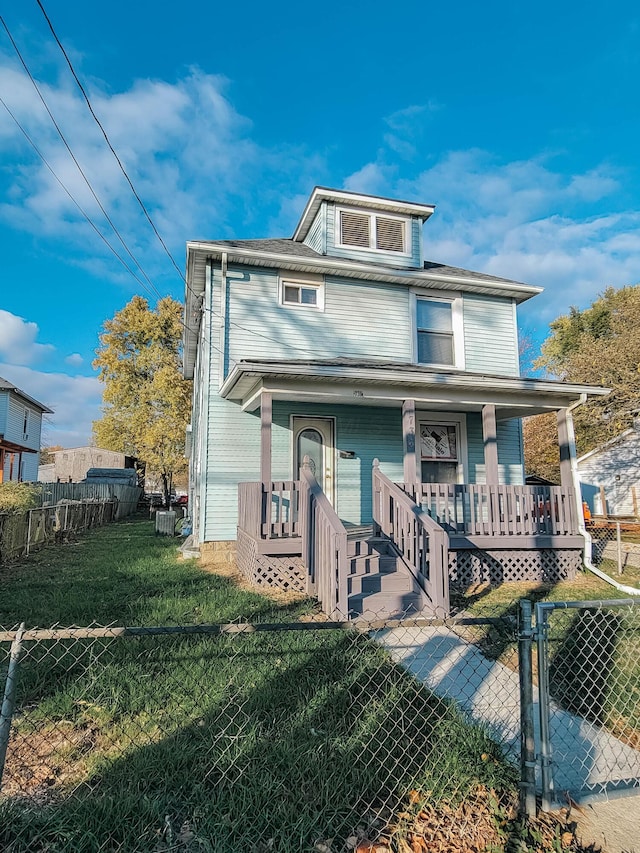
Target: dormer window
<point>377,231</point>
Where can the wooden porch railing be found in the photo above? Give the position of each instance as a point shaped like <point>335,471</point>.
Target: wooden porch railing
<point>423,544</point>
<point>324,547</point>
<point>269,510</point>
<point>483,510</point>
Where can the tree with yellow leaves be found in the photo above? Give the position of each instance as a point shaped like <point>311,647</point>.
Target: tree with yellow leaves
<point>146,402</point>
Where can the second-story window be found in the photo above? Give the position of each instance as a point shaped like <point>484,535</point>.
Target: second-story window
<point>302,294</point>
<point>376,231</point>
<point>25,423</point>
<point>434,321</point>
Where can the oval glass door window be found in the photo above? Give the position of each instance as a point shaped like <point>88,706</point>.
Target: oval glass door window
<point>310,444</point>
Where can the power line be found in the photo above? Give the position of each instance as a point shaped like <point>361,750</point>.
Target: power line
<point>108,141</point>
<point>75,160</point>
<point>79,207</point>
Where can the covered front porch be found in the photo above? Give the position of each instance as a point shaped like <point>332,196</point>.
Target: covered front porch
<point>405,425</point>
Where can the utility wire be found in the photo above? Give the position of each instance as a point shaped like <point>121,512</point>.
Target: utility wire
<point>82,211</point>
<point>108,141</point>
<point>75,160</point>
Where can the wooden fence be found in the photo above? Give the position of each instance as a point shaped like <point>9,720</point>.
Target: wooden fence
<point>23,532</point>
<point>124,497</point>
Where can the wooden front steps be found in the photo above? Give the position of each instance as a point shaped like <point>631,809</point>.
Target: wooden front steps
<point>379,584</point>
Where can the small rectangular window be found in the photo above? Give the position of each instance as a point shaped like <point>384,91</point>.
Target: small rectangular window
<point>435,332</point>
<point>302,293</point>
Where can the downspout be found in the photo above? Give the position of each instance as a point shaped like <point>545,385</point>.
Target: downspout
<point>588,550</point>
<point>223,316</point>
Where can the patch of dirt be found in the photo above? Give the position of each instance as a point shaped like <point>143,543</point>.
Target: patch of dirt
<point>483,821</point>
<point>42,760</point>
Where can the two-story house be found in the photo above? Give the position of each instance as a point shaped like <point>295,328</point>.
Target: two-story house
<point>342,380</point>
<point>20,431</point>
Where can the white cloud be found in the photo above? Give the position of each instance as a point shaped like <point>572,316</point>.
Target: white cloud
<point>75,401</point>
<point>75,359</point>
<point>527,220</point>
<point>18,340</point>
<point>189,153</point>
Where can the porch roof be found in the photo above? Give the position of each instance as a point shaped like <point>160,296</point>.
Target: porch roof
<point>368,382</point>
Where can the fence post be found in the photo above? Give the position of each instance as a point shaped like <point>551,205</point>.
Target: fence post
<point>527,737</point>
<point>619,543</point>
<point>29,531</point>
<point>542,629</point>
<point>9,697</point>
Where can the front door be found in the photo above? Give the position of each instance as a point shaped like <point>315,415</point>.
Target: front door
<point>313,437</point>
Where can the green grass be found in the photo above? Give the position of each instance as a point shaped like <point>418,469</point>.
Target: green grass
<point>126,574</point>
<point>268,741</point>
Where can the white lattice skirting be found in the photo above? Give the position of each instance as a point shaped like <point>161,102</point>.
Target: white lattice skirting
<point>282,572</point>
<point>550,565</point>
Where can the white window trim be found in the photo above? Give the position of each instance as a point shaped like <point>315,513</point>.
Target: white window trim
<point>457,326</point>
<point>446,419</point>
<point>372,214</point>
<point>297,280</point>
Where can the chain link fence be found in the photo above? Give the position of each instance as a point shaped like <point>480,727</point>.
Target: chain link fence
<point>615,548</point>
<point>589,671</point>
<point>305,736</point>
<point>400,736</point>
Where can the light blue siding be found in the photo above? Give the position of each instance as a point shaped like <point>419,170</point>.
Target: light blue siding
<point>366,319</point>
<point>316,239</point>
<point>490,335</point>
<point>394,259</point>
<point>510,453</point>
<point>12,411</point>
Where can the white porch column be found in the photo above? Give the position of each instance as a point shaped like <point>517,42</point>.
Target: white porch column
<point>409,441</point>
<point>265,438</point>
<point>490,437</point>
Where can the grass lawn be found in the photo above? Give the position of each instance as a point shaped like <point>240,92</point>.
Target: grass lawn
<point>275,741</point>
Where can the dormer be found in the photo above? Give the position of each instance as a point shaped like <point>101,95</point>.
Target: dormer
<point>364,228</point>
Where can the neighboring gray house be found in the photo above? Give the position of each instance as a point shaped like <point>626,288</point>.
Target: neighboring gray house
<point>20,431</point>
<point>71,464</point>
<point>615,468</point>
<point>313,356</point>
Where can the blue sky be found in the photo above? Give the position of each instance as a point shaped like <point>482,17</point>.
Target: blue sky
<point>521,122</point>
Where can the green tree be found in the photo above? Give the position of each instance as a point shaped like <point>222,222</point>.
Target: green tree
<point>600,346</point>
<point>146,402</point>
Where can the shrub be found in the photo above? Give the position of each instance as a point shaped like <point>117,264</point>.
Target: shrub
<point>18,497</point>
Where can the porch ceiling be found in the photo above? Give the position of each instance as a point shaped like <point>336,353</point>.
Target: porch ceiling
<point>356,382</point>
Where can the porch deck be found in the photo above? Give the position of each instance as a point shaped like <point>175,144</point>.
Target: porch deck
<point>289,535</point>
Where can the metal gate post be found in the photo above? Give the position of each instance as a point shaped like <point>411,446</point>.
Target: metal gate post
<point>9,697</point>
<point>527,736</point>
<point>542,629</point>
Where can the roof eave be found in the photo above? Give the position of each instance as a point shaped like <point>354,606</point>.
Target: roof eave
<point>323,263</point>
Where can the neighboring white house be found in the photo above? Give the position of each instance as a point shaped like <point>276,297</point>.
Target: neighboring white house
<point>615,468</point>
<point>20,431</point>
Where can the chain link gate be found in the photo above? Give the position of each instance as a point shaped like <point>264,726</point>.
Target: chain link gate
<point>588,660</point>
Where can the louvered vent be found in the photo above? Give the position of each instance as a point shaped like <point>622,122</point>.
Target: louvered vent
<point>389,234</point>
<point>354,229</point>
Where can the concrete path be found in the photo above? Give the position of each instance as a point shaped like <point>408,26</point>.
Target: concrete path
<point>587,760</point>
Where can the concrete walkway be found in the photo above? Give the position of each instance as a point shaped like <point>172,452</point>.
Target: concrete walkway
<point>587,760</point>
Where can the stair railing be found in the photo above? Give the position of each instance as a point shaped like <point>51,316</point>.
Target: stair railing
<point>324,547</point>
<point>421,542</point>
